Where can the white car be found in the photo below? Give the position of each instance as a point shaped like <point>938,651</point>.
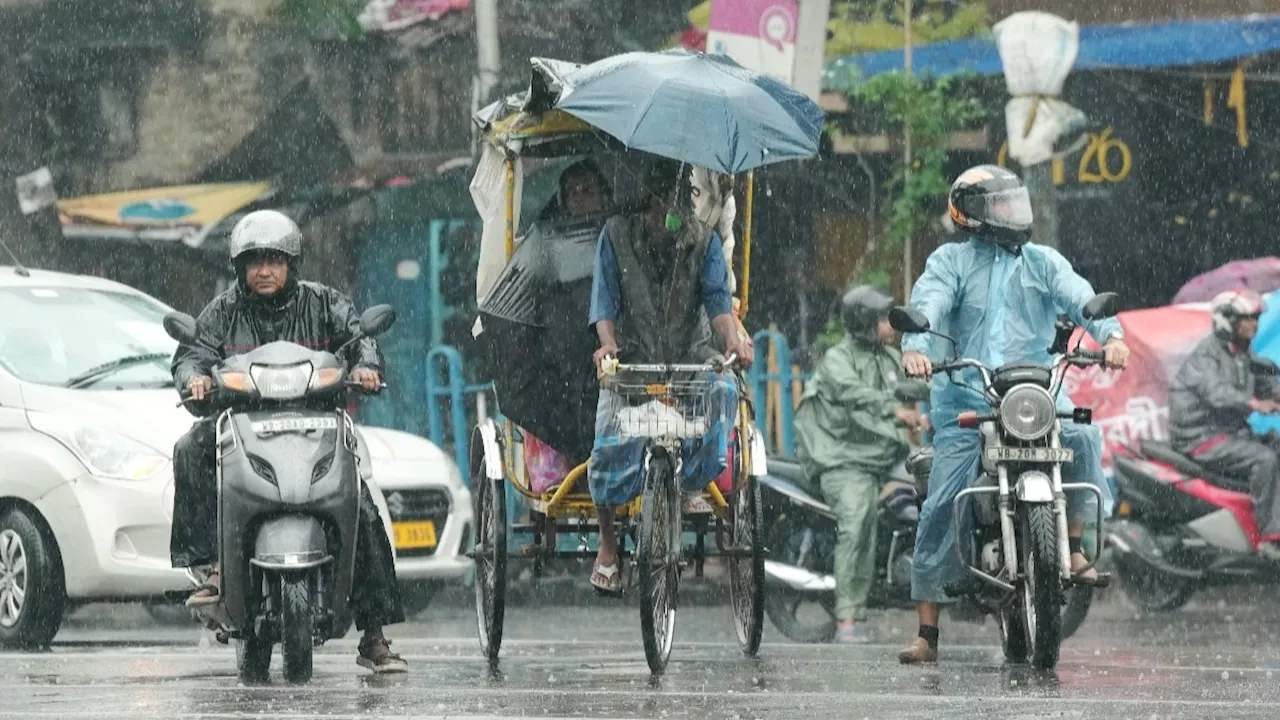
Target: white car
<point>86,478</point>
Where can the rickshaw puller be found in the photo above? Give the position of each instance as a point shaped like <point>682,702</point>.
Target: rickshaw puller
<point>659,275</point>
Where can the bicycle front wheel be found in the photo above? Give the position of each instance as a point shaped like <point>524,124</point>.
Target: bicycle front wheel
<point>658,561</point>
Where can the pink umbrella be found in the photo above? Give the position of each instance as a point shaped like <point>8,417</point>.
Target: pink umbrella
<point>1262,275</point>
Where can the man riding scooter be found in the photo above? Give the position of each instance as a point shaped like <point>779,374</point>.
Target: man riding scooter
<point>849,429</point>
<point>1211,399</point>
<point>268,303</point>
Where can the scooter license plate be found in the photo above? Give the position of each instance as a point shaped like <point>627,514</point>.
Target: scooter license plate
<point>298,424</point>
<point>1031,455</point>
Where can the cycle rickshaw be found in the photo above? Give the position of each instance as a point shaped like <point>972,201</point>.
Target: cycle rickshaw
<point>541,127</point>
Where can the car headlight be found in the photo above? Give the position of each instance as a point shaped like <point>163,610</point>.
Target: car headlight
<point>106,453</point>
<point>281,383</point>
<point>1027,412</point>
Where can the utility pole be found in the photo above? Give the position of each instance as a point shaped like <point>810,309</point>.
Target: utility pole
<point>811,43</point>
<point>908,261</point>
<point>488,54</point>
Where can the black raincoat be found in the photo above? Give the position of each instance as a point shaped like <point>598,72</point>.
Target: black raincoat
<point>237,322</point>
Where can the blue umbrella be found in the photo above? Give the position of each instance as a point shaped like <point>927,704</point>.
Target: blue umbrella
<point>701,109</point>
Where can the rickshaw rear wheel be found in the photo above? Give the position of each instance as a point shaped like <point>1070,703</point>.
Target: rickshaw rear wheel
<point>490,497</point>
<point>658,561</point>
<point>746,567</point>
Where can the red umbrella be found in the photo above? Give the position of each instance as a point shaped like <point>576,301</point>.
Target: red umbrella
<point>1262,275</point>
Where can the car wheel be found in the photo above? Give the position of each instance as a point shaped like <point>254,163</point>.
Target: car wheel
<point>32,594</point>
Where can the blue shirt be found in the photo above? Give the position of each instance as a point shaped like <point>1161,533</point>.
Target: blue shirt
<point>606,294</point>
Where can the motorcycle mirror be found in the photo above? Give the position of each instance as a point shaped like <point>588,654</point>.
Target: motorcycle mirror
<point>180,327</point>
<point>1103,305</point>
<point>377,320</point>
<point>906,320</point>
<point>911,391</point>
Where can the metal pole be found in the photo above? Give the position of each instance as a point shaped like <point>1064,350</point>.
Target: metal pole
<point>487,49</point>
<point>907,259</point>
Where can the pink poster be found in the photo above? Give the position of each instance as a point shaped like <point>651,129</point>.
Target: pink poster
<point>758,34</point>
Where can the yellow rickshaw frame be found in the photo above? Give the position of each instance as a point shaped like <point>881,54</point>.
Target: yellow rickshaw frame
<point>512,134</point>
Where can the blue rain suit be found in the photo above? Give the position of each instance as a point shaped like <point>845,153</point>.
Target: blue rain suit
<point>1001,308</point>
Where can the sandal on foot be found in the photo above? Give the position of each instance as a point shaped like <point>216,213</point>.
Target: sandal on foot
<point>607,579</point>
<point>209,592</point>
<point>1087,577</point>
<point>376,655</point>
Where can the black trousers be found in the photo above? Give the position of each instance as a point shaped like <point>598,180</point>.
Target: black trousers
<point>375,595</point>
<point>1249,457</point>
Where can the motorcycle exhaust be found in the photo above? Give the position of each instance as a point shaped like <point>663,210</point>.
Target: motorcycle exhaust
<point>798,578</point>
<point>1129,539</point>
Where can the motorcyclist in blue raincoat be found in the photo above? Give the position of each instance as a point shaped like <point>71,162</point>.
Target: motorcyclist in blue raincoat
<point>999,296</point>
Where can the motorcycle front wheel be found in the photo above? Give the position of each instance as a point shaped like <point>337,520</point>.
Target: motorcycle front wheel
<point>801,617</point>
<point>1042,589</point>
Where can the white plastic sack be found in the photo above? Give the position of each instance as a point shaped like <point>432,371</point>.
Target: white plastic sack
<point>1057,129</point>
<point>718,212</point>
<point>1037,50</point>
<point>655,420</point>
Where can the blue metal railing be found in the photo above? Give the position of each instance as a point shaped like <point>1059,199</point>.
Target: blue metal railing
<point>455,390</point>
<point>758,378</point>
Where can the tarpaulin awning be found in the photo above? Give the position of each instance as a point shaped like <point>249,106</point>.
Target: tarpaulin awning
<point>1127,45</point>
<point>183,213</point>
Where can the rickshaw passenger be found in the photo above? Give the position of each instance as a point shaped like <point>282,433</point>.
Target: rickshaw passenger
<point>659,275</point>
<point>582,190</point>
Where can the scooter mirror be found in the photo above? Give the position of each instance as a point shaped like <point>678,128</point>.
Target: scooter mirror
<point>1103,305</point>
<point>906,320</point>
<point>377,320</point>
<point>180,327</point>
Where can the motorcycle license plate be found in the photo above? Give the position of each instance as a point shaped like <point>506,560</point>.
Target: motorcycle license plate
<point>280,425</point>
<point>414,535</point>
<point>1033,455</point>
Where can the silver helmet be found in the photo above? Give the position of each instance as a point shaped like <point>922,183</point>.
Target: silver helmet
<point>266,230</point>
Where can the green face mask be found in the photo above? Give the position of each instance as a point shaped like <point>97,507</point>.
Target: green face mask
<point>674,222</point>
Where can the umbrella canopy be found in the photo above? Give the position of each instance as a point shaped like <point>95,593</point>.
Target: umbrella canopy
<point>705,110</point>
<point>1262,275</point>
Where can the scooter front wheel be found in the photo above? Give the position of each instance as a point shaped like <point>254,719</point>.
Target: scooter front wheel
<point>296,635</point>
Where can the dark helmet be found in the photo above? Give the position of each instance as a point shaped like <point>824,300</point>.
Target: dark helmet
<point>861,309</point>
<point>991,203</point>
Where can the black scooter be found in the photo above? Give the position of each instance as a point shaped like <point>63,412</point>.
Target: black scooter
<point>288,499</point>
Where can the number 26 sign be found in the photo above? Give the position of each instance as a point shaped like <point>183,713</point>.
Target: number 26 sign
<point>1104,159</point>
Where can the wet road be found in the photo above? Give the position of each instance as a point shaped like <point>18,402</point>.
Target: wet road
<point>1212,660</point>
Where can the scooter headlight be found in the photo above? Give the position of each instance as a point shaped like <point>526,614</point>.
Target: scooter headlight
<point>281,382</point>
<point>1027,412</point>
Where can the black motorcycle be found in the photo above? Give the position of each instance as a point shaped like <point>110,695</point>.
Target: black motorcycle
<point>288,499</point>
<point>801,540</point>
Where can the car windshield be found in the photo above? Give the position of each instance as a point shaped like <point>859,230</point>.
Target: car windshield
<point>52,335</point>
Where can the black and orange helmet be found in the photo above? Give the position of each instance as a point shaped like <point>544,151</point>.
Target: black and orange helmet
<point>991,203</point>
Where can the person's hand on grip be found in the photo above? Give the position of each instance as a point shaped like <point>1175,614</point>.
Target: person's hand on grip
<point>200,386</point>
<point>917,365</point>
<point>1116,354</point>
<point>368,379</point>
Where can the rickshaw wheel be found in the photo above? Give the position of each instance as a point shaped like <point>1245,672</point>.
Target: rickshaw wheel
<point>658,561</point>
<point>490,551</point>
<point>746,571</point>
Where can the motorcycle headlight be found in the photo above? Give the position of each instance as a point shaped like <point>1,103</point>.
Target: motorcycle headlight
<point>281,383</point>
<point>106,453</point>
<point>1027,412</point>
